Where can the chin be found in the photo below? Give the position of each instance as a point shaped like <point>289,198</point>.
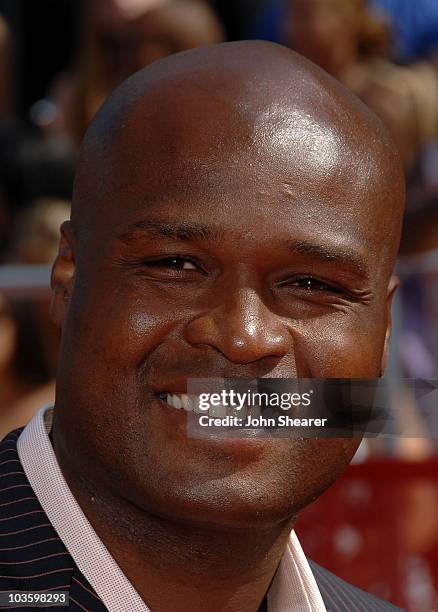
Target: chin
<point>232,503</point>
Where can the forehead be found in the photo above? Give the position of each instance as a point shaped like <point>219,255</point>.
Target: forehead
<point>258,161</point>
<point>251,151</point>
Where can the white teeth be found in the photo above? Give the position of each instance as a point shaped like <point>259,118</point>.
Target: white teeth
<point>170,399</point>
<point>185,402</point>
<point>181,400</point>
<point>190,403</point>
<point>174,401</point>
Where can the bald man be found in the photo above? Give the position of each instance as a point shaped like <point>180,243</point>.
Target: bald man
<point>236,214</point>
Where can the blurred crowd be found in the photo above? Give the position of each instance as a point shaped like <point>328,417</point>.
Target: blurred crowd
<point>60,59</point>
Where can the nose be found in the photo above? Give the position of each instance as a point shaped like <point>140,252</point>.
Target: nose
<point>243,329</point>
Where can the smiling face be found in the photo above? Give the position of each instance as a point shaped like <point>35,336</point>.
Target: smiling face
<point>250,234</point>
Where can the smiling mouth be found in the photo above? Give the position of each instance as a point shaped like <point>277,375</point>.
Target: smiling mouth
<point>190,403</point>
<point>181,401</point>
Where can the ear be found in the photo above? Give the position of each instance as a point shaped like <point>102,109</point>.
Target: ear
<point>393,285</point>
<point>63,275</point>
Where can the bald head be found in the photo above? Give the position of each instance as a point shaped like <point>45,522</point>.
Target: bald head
<point>239,102</point>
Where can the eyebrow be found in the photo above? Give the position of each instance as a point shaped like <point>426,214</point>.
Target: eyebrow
<point>183,231</point>
<point>341,255</point>
<point>337,254</point>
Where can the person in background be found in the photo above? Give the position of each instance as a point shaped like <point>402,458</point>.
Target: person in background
<point>24,374</point>
<point>414,26</point>
<point>33,165</point>
<point>29,341</point>
<point>344,38</point>
<point>119,38</point>
<point>419,270</point>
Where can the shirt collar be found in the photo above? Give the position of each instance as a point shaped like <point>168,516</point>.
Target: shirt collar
<point>293,589</point>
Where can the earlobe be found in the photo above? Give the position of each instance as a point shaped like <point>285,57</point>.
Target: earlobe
<point>63,274</point>
<point>393,285</point>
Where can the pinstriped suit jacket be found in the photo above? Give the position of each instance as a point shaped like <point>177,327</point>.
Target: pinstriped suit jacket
<point>33,557</point>
<point>339,596</point>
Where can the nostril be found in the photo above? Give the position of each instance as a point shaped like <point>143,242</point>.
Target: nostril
<point>243,328</point>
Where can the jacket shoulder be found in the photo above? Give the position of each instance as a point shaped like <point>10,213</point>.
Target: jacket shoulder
<point>340,596</point>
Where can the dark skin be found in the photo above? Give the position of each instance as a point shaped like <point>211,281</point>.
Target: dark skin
<point>236,214</point>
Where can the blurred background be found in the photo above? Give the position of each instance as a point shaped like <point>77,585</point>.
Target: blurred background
<point>59,60</point>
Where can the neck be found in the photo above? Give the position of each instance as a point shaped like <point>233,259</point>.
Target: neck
<point>189,567</point>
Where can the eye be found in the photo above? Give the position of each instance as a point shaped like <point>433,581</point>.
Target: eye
<point>313,285</point>
<point>174,267</point>
<point>176,262</point>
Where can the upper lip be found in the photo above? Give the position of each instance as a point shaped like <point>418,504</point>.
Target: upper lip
<point>173,387</point>
<point>179,385</point>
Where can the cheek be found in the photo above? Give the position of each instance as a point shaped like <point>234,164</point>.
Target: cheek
<point>121,329</point>
<point>303,471</point>
<point>340,346</point>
